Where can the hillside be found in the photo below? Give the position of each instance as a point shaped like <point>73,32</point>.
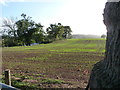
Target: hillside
<point>77,36</point>
<point>62,64</point>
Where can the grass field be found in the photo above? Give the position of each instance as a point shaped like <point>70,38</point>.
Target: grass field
<point>62,64</point>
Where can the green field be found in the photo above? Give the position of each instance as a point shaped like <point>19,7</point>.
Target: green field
<point>61,64</point>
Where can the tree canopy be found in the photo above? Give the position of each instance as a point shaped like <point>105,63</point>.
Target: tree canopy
<point>26,31</point>
<point>58,31</point>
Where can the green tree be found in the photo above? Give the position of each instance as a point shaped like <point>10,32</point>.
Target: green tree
<point>103,36</point>
<point>67,32</point>
<point>28,31</point>
<point>52,32</point>
<point>38,35</point>
<point>58,32</point>
<point>22,32</point>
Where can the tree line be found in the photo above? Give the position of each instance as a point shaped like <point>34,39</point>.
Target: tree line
<point>25,32</point>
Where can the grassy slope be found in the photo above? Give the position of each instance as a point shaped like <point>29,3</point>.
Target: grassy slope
<point>68,60</point>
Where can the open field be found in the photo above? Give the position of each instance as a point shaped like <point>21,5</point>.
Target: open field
<point>62,64</point>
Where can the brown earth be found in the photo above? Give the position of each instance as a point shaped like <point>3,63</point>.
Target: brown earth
<point>72,67</point>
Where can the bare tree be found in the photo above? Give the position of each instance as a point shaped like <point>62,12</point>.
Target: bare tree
<point>9,26</point>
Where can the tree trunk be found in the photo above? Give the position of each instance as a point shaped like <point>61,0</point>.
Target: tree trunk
<point>106,73</point>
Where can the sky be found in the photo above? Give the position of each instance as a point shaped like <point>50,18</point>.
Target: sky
<point>83,16</point>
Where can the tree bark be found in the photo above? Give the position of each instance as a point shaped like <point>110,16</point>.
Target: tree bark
<point>106,73</point>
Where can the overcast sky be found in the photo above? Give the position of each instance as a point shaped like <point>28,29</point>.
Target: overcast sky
<point>83,16</point>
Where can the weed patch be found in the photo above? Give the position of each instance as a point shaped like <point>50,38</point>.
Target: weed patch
<point>52,81</point>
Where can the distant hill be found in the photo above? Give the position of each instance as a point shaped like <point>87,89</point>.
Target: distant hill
<point>77,36</point>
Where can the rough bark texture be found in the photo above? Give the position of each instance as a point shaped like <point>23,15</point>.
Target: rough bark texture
<point>106,73</point>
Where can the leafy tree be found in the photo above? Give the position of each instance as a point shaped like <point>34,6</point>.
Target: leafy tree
<point>52,32</point>
<point>25,32</point>
<point>22,32</point>
<point>67,32</point>
<point>25,29</point>
<point>28,31</point>
<point>103,36</point>
<point>38,36</point>
<point>58,31</point>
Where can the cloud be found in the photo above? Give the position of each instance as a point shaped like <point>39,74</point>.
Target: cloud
<point>45,0</point>
<point>113,0</point>
<point>3,2</point>
<point>6,1</point>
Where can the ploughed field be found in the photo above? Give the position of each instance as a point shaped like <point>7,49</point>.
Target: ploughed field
<point>61,64</point>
